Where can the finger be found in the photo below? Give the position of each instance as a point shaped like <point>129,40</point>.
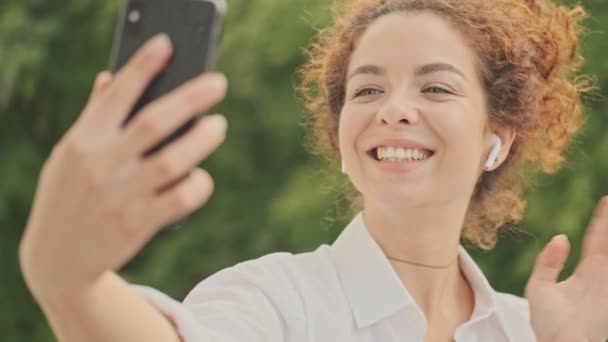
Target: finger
<point>181,156</point>
<point>549,263</point>
<point>163,117</point>
<point>132,80</point>
<point>596,238</point>
<point>102,81</point>
<point>100,85</point>
<point>182,199</point>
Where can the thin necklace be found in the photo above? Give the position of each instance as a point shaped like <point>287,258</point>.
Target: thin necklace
<point>422,265</point>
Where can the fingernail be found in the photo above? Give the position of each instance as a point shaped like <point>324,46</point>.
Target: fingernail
<point>98,78</point>
<point>160,43</point>
<point>217,122</point>
<point>217,81</point>
<point>103,76</point>
<point>561,236</point>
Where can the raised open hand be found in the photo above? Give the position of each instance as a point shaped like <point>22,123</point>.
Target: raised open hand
<point>575,309</point>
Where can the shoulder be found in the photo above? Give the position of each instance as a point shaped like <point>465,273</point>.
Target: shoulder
<point>283,279</point>
<point>288,263</point>
<point>279,268</point>
<point>271,298</point>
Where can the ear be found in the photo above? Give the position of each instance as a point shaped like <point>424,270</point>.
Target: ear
<point>507,136</point>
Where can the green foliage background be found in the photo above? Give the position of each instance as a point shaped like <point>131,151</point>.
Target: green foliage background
<point>270,193</point>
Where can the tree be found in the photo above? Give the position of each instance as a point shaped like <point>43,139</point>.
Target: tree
<point>270,193</point>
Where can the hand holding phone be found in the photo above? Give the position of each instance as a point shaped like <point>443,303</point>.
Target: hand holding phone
<point>194,28</point>
<point>97,201</point>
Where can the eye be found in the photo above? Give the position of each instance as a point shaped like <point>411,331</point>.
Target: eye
<point>436,90</point>
<point>367,92</point>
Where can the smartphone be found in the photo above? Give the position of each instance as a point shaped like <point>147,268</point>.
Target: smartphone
<point>194,27</point>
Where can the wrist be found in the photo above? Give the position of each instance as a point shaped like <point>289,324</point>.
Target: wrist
<point>52,290</point>
<point>50,295</point>
<point>44,280</point>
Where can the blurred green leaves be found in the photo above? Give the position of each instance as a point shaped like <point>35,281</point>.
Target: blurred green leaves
<point>271,195</point>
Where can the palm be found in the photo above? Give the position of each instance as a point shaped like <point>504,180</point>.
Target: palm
<point>575,309</point>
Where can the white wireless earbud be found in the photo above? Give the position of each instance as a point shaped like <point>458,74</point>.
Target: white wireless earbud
<point>493,156</point>
<point>343,167</point>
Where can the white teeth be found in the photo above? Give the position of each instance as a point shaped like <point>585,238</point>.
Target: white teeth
<point>400,154</point>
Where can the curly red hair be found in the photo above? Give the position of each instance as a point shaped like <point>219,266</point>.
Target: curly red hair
<point>528,55</point>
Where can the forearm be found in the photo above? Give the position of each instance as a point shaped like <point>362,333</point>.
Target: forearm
<point>108,312</point>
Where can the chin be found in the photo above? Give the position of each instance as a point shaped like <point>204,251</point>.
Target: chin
<point>396,199</point>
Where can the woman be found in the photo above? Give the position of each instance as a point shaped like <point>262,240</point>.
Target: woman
<point>432,106</point>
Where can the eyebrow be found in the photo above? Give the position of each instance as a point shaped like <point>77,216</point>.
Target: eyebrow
<point>426,69</point>
<point>367,69</point>
<point>437,67</point>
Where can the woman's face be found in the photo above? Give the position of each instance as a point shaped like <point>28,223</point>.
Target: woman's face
<point>412,130</point>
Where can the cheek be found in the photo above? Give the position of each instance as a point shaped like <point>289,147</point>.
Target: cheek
<point>353,121</point>
<point>462,132</point>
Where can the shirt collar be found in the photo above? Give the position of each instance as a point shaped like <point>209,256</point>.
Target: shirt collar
<point>363,270</point>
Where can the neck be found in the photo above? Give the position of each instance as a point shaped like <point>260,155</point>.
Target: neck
<point>422,244</point>
<point>427,236</point>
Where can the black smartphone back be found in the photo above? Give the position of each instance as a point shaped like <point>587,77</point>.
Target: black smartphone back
<point>194,27</point>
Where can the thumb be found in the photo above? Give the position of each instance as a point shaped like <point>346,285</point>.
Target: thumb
<point>549,263</point>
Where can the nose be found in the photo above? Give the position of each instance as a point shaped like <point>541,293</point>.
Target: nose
<point>398,111</point>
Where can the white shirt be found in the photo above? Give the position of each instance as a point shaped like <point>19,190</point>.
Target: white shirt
<point>344,292</point>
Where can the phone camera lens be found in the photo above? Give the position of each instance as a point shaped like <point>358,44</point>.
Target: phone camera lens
<point>134,16</point>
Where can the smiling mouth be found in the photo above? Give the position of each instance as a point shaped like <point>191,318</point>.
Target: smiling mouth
<point>399,154</point>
